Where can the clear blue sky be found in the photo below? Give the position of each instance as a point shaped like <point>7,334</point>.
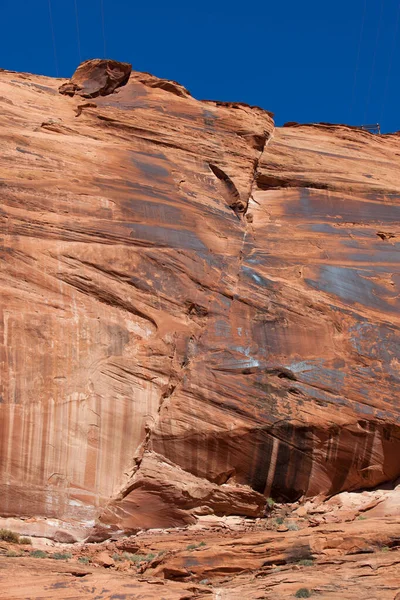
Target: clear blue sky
<point>302,60</point>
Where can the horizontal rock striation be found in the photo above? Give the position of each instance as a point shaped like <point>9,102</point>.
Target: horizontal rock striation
<point>199,310</point>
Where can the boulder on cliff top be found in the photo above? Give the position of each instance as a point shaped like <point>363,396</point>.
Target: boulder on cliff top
<point>97,77</point>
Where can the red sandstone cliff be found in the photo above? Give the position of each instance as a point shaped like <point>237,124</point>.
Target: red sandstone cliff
<point>199,310</point>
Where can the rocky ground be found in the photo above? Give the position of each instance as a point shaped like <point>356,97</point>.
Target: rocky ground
<point>347,547</point>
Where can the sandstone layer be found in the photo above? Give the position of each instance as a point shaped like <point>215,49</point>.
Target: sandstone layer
<point>199,310</point>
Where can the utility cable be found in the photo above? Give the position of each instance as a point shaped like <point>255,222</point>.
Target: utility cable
<point>78,37</point>
<point>396,28</point>
<point>103,26</point>
<point>378,33</point>
<point>358,57</point>
<point>53,37</point>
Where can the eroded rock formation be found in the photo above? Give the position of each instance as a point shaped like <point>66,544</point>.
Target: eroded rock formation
<point>199,309</point>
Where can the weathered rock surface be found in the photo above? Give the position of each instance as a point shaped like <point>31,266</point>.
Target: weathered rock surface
<point>238,558</point>
<point>199,310</point>
<point>97,78</point>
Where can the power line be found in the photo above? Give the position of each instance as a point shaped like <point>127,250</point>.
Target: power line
<point>77,31</point>
<point>103,27</point>
<point>378,33</point>
<point>53,38</point>
<point>358,56</point>
<point>390,62</point>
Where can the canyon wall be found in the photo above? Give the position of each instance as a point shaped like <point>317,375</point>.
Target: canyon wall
<point>199,310</point>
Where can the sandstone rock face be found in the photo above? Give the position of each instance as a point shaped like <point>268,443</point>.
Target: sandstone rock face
<point>97,78</point>
<point>199,310</point>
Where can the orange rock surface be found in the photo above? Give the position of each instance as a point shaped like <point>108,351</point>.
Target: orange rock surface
<point>231,559</point>
<point>199,310</point>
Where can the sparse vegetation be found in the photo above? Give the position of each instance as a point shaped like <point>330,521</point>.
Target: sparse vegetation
<point>194,546</point>
<point>361,518</point>
<point>9,536</point>
<point>13,538</point>
<point>292,526</point>
<point>270,503</point>
<point>25,541</point>
<point>38,554</point>
<point>84,560</point>
<point>279,521</point>
<point>12,553</point>
<point>385,549</point>
<point>117,557</point>
<point>61,556</point>
<point>137,558</point>
<point>306,562</point>
<point>134,558</point>
<point>303,593</point>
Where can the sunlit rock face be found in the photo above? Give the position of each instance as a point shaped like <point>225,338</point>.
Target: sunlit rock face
<point>198,311</point>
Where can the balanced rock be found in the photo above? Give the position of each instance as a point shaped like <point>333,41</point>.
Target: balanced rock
<point>97,78</point>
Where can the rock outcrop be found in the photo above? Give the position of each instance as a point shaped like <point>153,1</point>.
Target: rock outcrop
<point>199,310</point>
<point>97,78</point>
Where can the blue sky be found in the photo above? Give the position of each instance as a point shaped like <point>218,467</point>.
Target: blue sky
<point>301,60</point>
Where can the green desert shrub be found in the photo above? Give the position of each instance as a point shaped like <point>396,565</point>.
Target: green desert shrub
<point>61,555</point>
<point>12,553</point>
<point>25,541</point>
<point>306,562</point>
<point>194,546</point>
<point>303,593</point>
<point>134,558</point>
<point>84,560</point>
<point>38,554</point>
<point>9,536</point>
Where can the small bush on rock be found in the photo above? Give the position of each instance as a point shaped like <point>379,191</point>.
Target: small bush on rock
<point>25,541</point>
<point>306,562</point>
<point>303,593</point>
<point>61,556</point>
<point>9,536</point>
<point>38,554</point>
<point>134,558</point>
<point>194,546</point>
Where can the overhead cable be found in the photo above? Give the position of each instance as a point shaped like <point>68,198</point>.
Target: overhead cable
<point>378,33</point>
<point>77,31</point>
<point>103,26</point>
<point>394,40</point>
<point>358,56</point>
<point>53,38</point>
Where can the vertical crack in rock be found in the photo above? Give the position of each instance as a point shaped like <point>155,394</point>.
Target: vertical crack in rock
<point>230,191</point>
<point>248,216</point>
<point>173,385</point>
